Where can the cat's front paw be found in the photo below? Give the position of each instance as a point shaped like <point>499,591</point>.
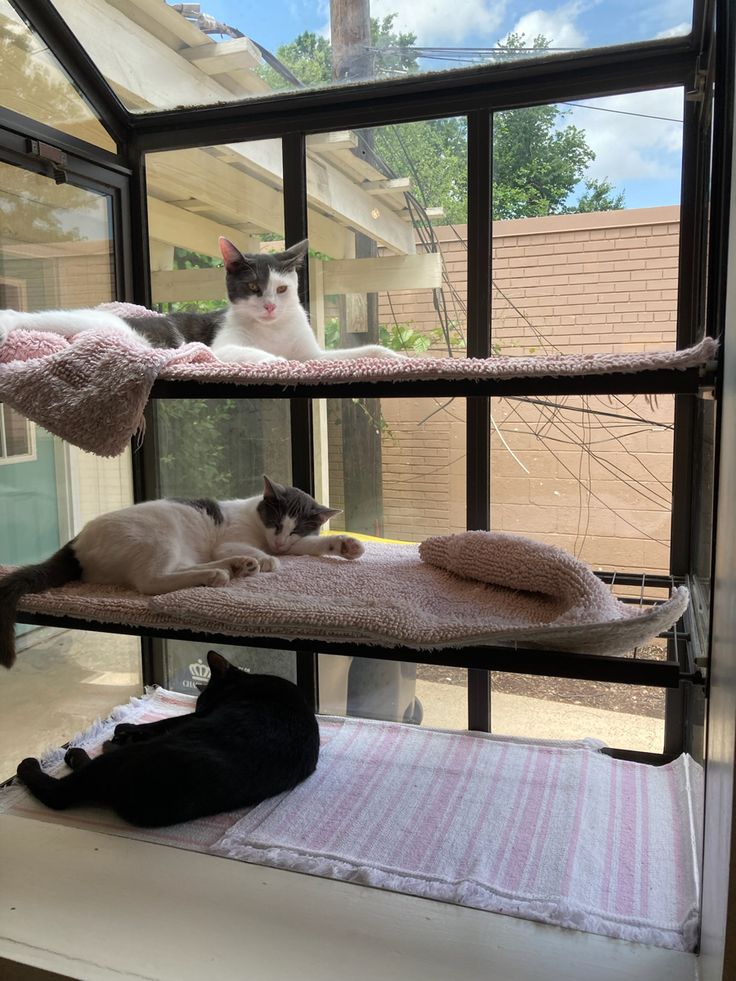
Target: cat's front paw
<point>347,547</point>
<point>27,767</point>
<point>243,565</point>
<point>216,577</point>
<point>125,733</point>
<point>269,563</point>
<point>266,357</point>
<point>76,757</point>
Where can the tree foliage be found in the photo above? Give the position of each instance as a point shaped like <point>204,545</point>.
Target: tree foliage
<point>539,160</point>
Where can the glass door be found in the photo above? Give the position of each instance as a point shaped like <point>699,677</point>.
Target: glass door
<point>57,250</point>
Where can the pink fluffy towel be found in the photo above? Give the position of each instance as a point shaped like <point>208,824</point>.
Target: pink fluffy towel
<point>473,588</point>
<point>92,391</point>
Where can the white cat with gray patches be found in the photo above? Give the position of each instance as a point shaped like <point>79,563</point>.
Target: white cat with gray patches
<point>263,321</point>
<point>160,546</point>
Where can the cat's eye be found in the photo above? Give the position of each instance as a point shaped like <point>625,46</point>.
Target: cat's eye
<point>281,289</point>
<point>253,287</point>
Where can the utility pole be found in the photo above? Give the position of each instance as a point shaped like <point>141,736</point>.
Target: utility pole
<point>352,60</point>
<point>350,25</point>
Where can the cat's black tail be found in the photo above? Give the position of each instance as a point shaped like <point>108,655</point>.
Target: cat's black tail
<point>61,568</point>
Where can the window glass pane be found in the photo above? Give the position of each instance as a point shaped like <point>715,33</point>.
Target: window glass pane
<point>223,51</point>
<point>221,448</point>
<point>391,268</point>
<point>56,245</point>
<point>388,224</point>
<point>62,681</point>
<point>35,85</point>
<point>591,474</point>
<point>622,716</point>
<point>586,231</point>
<point>413,487</point>
<point>55,252</point>
<point>585,261</point>
<point>16,433</point>
<point>215,447</point>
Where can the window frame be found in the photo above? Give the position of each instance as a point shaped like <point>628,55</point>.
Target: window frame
<point>476,93</point>
<point>31,455</point>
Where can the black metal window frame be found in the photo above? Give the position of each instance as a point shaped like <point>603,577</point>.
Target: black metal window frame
<point>474,93</point>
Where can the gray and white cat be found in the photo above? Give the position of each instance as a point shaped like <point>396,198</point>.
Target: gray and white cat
<point>263,321</point>
<point>160,546</point>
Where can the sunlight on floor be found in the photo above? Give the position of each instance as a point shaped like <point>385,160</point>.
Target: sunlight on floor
<point>60,683</point>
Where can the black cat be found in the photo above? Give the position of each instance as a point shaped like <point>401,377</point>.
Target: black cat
<point>251,736</point>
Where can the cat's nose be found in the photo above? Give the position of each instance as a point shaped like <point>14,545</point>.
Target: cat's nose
<point>269,307</point>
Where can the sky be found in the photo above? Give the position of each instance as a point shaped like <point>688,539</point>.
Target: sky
<point>637,146</point>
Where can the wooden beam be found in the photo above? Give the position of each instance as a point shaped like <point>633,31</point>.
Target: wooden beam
<point>175,226</point>
<point>337,195</point>
<point>342,140</point>
<point>387,274</point>
<point>395,185</point>
<point>214,58</point>
<point>147,66</point>
<point>179,285</point>
<point>162,21</point>
<point>199,174</point>
<point>432,213</point>
<point>345,276</point>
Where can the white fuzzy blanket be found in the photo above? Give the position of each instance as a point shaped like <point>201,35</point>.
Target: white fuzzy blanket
<point>92,391</point>
<point>456,590</point>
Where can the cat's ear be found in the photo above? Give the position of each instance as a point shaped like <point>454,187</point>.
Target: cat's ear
<point>293,257</point>
<point>234,258</point>
<point>325,514</point>
<point>270,489</point>
<point>218,665</point>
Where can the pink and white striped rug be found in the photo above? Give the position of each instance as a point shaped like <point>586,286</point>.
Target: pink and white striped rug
<point>549,831</point>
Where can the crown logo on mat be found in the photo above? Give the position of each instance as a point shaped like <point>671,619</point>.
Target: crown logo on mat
<point>199,671</point>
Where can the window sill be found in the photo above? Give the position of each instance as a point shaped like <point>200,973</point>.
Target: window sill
<point>92,906</point>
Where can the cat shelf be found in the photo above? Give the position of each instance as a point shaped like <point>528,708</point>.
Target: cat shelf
<point>92,392</point>
<point>479,599</point>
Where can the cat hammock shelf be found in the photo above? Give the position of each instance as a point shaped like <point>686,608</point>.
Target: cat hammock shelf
<point>93,390</point>
<point>477,599</point>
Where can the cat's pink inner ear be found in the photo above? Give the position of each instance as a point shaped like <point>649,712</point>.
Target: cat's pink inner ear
<point>327,513</point>
<point>218,664</point>
<point>268,489</point>
<point>233,256</point>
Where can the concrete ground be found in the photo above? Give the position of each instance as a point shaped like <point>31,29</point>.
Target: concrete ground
<point>446,706</point>
<point>66,679</point>
<point>60,684</point>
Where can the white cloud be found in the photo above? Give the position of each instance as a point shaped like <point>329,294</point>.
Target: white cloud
<point>677,31</point>
<point>558,25</point>
<point>445,22</point>
<point>630,147</point>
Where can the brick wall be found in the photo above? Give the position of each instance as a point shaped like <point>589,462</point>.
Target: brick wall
<point>594,484</point>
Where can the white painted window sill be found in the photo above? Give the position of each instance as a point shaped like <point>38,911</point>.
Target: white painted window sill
<point>97,907</point>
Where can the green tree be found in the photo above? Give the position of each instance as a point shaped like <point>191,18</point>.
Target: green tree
<point>599,196</point>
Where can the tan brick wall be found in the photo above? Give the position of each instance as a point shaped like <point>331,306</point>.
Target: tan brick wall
<point>597,486</point>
